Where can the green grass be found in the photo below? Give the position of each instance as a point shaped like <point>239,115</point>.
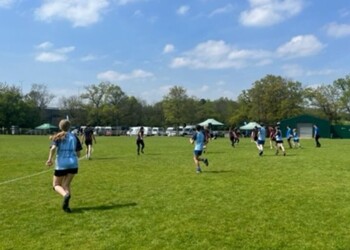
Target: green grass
<point>157,201</point>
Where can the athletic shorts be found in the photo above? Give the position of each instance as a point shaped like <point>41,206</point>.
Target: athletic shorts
<point>197,152</point>
<point>88,142</point>
<point>64,172</point>
<point>296,140</point>
<point>279,142</point>
<point>261,142</point>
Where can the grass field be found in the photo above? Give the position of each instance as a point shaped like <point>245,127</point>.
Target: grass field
<point>157,201</point>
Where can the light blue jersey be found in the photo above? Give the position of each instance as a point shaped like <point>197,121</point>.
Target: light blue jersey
<point>289,133</point>
<point>295,136</point>
<point>262,134</point>
<point>199,140</point>
<point>66,153</point>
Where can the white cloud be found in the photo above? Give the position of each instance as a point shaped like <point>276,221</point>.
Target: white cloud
<point>322,72</point>
<point>217,55</point>
<point>65,50</point>
<point>125,2</point>
<point>138,13</point>
<point>226,9</point>
<point>168,48</point>
<point>300,46</point>
<point>44,45</point>
<point>338,30</point>
<point>295,70</point>
<point>79,12</point>
<point>183,10</point>
<point>50,57</point>
<point>88,58</point>
<point>49,54</point>
<point>114,76</point>
<point>6,3</point>
<point>269,12</point>
<point>344,12</point>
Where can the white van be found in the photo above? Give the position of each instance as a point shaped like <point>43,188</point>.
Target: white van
<point>158,131</point>
<point>133,131</point>
<point>147,131</point>
<point>170,131</point>
<point>189,130</point>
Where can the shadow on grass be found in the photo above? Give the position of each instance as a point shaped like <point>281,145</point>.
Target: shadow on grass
<point>217,171</point>
<point>103,207</point>
<point>103,158</point>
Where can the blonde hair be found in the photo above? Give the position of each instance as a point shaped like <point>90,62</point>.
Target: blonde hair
<point>64,125</point>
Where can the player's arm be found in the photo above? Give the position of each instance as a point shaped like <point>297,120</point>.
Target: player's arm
<point>52,152</point>
<point>193,138</point>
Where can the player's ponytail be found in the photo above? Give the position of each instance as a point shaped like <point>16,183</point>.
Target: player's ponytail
<point>64,125</point>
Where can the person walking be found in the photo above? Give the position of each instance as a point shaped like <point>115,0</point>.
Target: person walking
<point>88,137</point>
<point>317,136</point>
<point>272,137</point>
<point>198,139</point>
<point>67,148</point>
<point>289,136</point>
<point>139,141</point>
<point>279,141</point>
<point>232,136</point>
<point>296,142</point>
<point>261,139</point>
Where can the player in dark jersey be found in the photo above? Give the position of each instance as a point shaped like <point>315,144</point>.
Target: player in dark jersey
<point>88,137</point>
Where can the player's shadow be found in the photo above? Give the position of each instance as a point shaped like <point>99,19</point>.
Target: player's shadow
<point>105,158</point>
<point>103,207</point>
<point>218,171</point>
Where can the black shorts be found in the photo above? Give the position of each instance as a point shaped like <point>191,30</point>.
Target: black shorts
<point>88,142</point>
<point>64,172</point>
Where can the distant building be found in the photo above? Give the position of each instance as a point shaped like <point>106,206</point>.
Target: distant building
<point>304,125</point>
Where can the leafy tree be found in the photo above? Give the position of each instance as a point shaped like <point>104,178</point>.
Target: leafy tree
<point>73,107</point>
<point>13,109</point>
<point>175,106</point>
<point>40,97</point>
<point>103,103</point>
<point>131,112</point>
<point>240,115</point>
<point>325,98</point>
<point>271,99</point>
<point>343,85</point>
<point>202,109</point>
<point>153,115</point>
<point>223,109</point>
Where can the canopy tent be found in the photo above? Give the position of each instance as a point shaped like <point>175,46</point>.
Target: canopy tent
<point>211,121</point>
<point>46,126</point>
<point>250,126</point>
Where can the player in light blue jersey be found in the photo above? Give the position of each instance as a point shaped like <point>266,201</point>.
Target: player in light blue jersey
<point>296,139</point>
<point>317,136</point>
<point>199,140</point>
<point>67,148</point>
<point>261,139</point>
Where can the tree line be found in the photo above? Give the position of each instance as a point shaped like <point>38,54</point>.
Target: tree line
<point>270,99</point>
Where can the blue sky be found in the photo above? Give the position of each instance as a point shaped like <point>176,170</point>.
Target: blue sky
<point>212,48</point>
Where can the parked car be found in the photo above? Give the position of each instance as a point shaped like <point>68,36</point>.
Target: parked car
<point>189,130</point>
<point>147,131</point>
<point>133,131</point>
<point>170,131</point>
<point>158,131</point>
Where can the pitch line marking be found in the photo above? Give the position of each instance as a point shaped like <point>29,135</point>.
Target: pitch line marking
<point>28,176</point>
